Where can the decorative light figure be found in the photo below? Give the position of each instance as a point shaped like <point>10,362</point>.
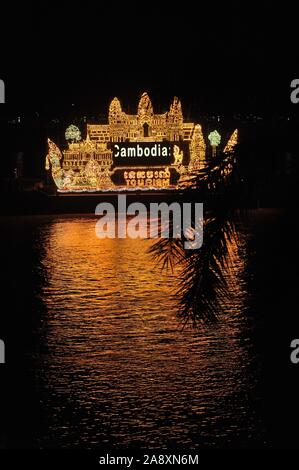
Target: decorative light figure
<point>215,139</point>
<point>197,150</point>
<point>232,142</point>
<point>73,134</point>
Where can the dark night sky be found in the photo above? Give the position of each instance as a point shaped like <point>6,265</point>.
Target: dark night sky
<point>223,61</point>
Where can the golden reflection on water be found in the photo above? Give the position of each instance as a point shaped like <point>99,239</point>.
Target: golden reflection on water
<point>117,369</point>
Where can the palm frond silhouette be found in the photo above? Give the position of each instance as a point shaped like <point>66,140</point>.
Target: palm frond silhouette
<point>203,286</point>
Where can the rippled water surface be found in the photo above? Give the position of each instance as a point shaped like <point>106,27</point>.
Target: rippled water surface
<point>111,363</point>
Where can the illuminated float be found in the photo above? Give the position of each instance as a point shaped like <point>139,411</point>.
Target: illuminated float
<point>143,151</point>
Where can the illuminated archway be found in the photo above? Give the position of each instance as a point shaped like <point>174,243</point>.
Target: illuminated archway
<point>145,129</point>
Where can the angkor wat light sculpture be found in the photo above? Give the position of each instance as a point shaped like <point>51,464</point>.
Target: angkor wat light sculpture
<point>133,151</point>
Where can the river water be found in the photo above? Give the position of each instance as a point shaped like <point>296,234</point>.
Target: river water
<point>96,355</point>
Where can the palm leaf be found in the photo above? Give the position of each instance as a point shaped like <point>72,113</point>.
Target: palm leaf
<point>203,287</point>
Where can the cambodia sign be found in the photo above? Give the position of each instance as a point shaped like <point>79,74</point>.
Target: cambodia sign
<point>139,153</point>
